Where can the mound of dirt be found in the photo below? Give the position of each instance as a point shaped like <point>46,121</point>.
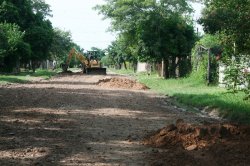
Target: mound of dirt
<point>122,83</point>
<point>192,137</point>
<point>209,144</point>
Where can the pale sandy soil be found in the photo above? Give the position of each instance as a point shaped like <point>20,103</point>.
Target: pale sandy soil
<point>69,120</point>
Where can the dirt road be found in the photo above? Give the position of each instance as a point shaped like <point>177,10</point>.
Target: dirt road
<point>69,120</point>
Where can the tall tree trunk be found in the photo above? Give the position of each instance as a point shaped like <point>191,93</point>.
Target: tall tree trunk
<point>125,65</point>
<point>135,66</point>
<point>173,67</point>
<point>119,66</point>
<point>34,65</point>
<point>167,73</point>
<point>159,69</point>
<point>165,68</point>
<point>17,67</point>
<point>177,68</point>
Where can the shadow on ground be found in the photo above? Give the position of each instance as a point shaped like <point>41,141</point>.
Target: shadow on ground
<point>61,126</point>
<point>67,126</point>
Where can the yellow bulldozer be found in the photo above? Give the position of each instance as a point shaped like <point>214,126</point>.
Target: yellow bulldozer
<point>89,65</point>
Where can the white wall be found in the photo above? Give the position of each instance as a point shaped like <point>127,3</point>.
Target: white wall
<point>222,68</point>
<point>141,67</point>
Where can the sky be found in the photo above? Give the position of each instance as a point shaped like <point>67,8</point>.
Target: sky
<point>196,15</point>
<point>88,29</point>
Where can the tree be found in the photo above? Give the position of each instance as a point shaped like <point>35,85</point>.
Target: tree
<point>107,60</point>
<point>154,30</point>
<point>31,17</point>
<point>171,42</point>
<point>10,44</point>
<point>61,44</point>
<point>98,53</point>
<point>39,6</point>
<point>114,55</point>
<point>231,18</point>
<point>205,55</point>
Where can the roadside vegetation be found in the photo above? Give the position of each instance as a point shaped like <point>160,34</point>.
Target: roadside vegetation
<point>194,95</point>
<point>190,92</point>
<point>25,77</point>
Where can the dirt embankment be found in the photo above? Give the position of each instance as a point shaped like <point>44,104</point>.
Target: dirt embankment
<point>123,83</point>
<point>219,144</point>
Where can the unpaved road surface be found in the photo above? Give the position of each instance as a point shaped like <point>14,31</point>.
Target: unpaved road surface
<point>69,120</point>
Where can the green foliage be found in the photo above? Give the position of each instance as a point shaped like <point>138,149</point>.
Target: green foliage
<point>247,89</point>
<point>26,77</point>
<point>116,54</point>
<point>11,36</point>
<point>150,30</point>
<point>123,71</point>
<point>31,17</point>
<point>237,75</point>
<point>230,17</point>
<point>41,38</point>
<point>5,79</point>
<point>12,46</point>
<point>61,45</point>
<point>192,92</point>
<point>200,57</point>
<point>107,61</point>
<point>46,74</point>
<point>209,41</point>
<point>233,76</point>
<point>41,8</point>
<point>97,53</point>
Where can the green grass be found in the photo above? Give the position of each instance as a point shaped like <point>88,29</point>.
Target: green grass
<point>4,79</point>
<point>192,92</point>
<point>122,71</point>
<point>25,77</point>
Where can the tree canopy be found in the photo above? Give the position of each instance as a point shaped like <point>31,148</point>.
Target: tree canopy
<point>151,30</point>
<point>231,18</point>
<point>31,17</point>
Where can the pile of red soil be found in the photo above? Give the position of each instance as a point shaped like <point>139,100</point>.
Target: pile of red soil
<point>202,145</point>
<point>122,83</point>
<point>192,137</point>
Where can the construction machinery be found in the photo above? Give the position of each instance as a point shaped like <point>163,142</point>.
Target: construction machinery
<point>89,65</point>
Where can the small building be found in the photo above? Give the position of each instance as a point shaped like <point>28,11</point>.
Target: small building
<point>48,64</point>
<point>143,67</point>
<point>223,83</point>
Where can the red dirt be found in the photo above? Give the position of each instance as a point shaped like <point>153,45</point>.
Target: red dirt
<point>220,144</point>
<point>123,83</point>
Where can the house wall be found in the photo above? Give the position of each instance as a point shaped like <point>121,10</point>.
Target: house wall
<point>141,67</point>
<point>222,83</point>
<point>222,68</point>
<point>144,67</point>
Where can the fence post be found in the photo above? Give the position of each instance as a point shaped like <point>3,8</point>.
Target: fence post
<point>209,68</point>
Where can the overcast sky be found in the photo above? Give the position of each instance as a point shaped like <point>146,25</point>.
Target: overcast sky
<point>87,27</point>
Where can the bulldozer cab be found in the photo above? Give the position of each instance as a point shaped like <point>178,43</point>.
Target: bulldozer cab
<point>93,60</point>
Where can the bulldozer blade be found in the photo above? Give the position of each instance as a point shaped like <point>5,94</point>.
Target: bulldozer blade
<point>96,71</point>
